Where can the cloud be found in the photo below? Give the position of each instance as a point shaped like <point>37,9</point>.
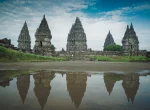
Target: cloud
<point>142,7</point>
<point>60,18</point>
<point>126,10</point>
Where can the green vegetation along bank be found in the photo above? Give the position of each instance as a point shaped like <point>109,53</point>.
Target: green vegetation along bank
<point>13,55</point>
<point>9,55</point>
<point>121,58</point>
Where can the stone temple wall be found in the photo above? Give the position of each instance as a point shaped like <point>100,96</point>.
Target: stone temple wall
<point>103,53</point>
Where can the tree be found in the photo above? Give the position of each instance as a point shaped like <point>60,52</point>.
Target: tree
<point>52,48</point>
<point>113,47</point>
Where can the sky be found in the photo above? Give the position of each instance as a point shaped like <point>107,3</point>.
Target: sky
<point>97,17</point>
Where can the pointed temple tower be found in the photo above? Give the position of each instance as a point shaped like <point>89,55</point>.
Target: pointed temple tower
<point>109,40</point>
<point>131,85</point>
<point>76,86</point>
<point>24,41</point>
<point>43,37</point>
<point>130,41</point>
<point>76,38</point>
<point>23,83</point>
<point>42,86</point>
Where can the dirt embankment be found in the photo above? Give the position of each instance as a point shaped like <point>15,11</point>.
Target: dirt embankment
<point>77,66</point>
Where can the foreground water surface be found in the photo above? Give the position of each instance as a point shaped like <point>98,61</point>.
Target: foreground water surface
<point>66,90</point>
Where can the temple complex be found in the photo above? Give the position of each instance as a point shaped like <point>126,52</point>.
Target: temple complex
<point>76,47</point>
<point>43,39</point>
<point>109,40</point>
<point>24,40</point>
<point>77,38</point>
<point>130,41</point>
<point>23,83</point>
<point>76,86</point>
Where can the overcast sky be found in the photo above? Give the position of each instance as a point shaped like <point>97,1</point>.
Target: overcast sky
<point>97,17</point>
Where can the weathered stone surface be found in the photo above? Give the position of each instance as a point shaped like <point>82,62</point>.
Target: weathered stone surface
<point>130,41</point>
<point>77,38</point>
<point>43,37</point>
<point>109,40</point>
<point>24,41</point>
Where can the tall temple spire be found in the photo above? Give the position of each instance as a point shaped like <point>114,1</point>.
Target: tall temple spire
<point>131,27</point>
<point>127,28</point>
<point>130,40</point>
<point>24,40</point>
<point>25,22</point>
<point>43,39</point>
<point>109,40</point>
<point>126,32</point>
<point>78,20</point>
<point>77,38</point>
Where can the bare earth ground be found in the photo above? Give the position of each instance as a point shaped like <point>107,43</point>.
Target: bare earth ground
<point>77,66</point>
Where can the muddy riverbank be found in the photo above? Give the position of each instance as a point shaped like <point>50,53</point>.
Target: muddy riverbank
<point>77,66</point>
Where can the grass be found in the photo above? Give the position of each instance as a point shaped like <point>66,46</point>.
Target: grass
<point>120,58</point>
<point>7,55</point>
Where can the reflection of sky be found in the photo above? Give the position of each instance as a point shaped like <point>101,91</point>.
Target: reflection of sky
<point>97,17</point>
<point>96,95</point>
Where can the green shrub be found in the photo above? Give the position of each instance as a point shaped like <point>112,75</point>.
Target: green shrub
<point>113,47</point>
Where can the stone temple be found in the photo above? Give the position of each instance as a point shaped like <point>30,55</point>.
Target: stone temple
<point>43,37</point>
<point>77,38</point>
<point>109,40</point>
<point>24,41</point>
<point>130,41</point>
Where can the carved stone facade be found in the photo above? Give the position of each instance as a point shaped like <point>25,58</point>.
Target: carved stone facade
<point>76,38</point>
<point>43,37</point>
<point>109,40</point>
<point>24,41</point>
<point>130,41</point>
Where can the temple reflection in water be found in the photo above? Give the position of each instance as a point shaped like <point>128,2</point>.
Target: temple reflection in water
<point>110,80</point>
<point>76,86</point>
<point>42,86</point>
<point>131,85</point>
<point>23,83</point>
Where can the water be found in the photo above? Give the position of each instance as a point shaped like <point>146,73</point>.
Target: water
<point>62,90</point>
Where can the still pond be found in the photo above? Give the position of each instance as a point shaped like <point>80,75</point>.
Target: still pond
<point>71,90</point>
